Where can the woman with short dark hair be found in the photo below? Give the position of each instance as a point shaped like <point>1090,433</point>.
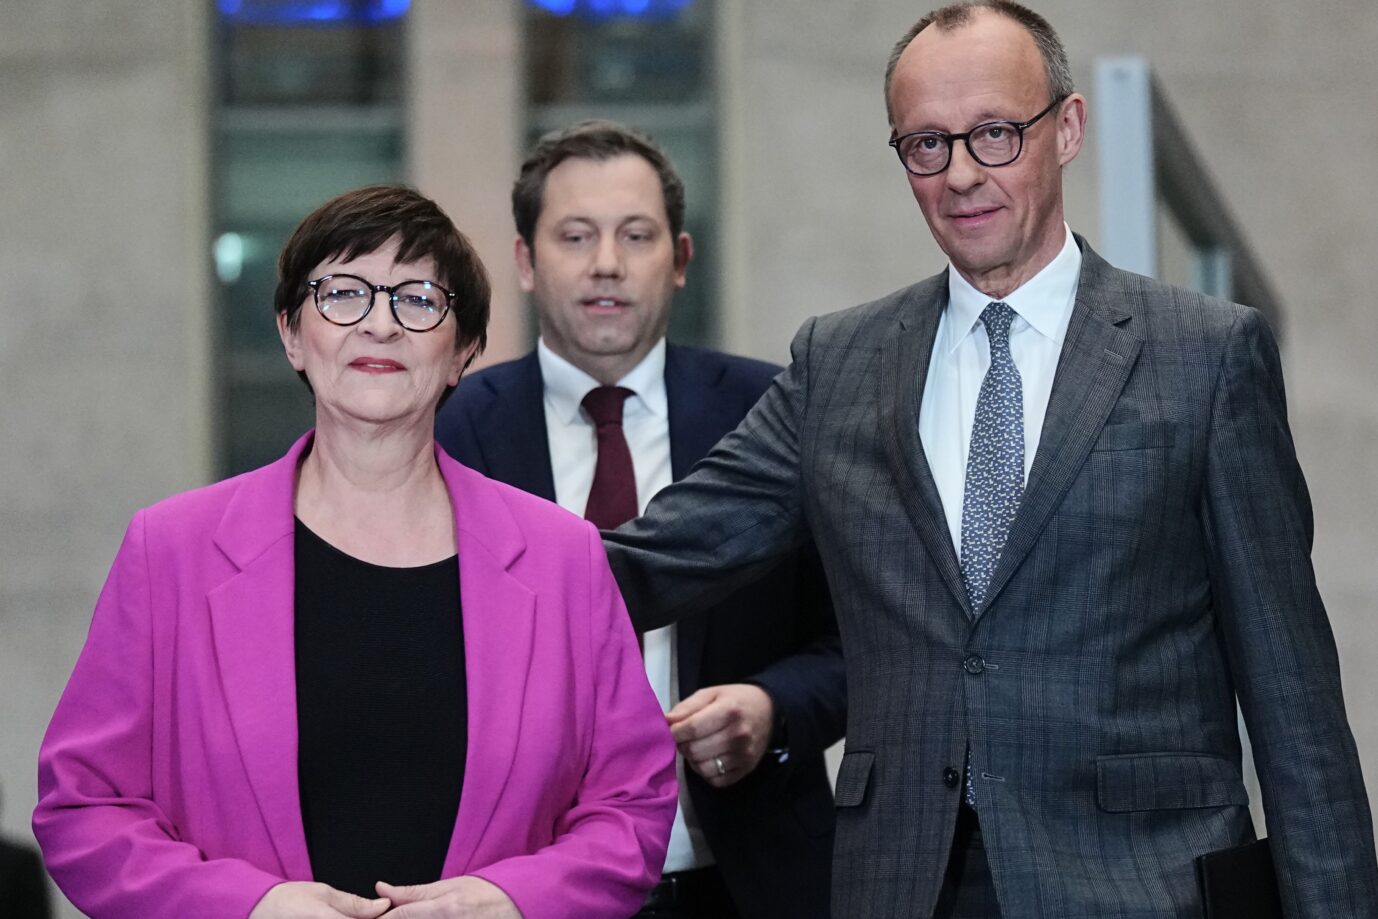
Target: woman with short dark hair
<point>364,678</point>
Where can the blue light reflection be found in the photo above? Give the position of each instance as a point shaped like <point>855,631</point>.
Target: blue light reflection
<point>312,12</point>
<point>610,9</point>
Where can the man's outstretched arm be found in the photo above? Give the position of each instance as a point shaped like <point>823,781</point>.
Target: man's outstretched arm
<point>729,521</point>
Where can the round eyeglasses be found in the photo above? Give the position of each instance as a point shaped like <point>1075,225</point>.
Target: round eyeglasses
<point>995,143</point>
<point>417,306</point>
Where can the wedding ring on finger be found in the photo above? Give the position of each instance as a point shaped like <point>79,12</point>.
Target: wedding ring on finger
<point>717,761</point>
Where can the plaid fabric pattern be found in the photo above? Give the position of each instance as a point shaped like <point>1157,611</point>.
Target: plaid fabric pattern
<point>1157,569</point>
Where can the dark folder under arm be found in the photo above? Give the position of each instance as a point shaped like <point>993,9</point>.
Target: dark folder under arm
<point>1239,883</point>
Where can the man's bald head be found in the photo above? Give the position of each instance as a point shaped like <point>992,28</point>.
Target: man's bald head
<point>957,15</point>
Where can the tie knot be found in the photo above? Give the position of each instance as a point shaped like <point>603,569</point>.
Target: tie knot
<point>604,404</point>
<point>996,317</point>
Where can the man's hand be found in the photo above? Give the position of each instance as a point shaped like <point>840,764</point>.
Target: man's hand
<point>723,731</point>
<point>453,898</point>
<point>306,900</point>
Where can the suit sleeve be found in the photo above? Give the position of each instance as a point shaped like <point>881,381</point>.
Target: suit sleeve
<point>454,430</point>
<point>809,687</point>
<point>1278,639</point>
<point>107,843</point>
<point>610,845</point>
<point>729,521</point>
<point>28,893</point>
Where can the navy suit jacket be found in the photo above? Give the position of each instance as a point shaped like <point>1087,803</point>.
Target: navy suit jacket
<point>772,832</point>
<point>23,883</point>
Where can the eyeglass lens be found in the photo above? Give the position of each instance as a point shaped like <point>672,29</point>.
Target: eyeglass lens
<point>990,145</point>
<point>344,300</point>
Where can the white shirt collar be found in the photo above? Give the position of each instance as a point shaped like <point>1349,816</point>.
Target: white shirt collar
<point>566,385</point>
<point>1044,301</point>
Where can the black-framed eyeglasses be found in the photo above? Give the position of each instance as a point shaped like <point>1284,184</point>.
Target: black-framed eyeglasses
<point>995,143</point>
<point>417,306</point>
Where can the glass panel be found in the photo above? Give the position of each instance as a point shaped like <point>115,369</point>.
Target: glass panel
<point>275,59</point>
<point>280,173</point>
<point>245,297</point>
<point>309,107</point>
<point>618,58</point>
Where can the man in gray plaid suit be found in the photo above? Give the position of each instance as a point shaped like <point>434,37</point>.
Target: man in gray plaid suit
<point>1064,526</point>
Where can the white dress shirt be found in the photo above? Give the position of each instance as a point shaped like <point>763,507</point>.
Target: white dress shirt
<point>961,356</point>
<point>573,457</point>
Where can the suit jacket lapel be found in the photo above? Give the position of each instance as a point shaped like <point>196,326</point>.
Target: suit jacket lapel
<point>697,421</point>
<point>904,370</point>
<point>252,626</point>
<point>515,446</point>
<point>1097,357</point>
<point>499,628</point>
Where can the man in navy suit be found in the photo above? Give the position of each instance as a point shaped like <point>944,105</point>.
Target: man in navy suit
<point>599,417</point>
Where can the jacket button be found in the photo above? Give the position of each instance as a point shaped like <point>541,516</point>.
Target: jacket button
<point>951,777</point>
<point>973,664</point>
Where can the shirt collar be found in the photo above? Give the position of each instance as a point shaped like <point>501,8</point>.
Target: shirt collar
<point>566,385</point>
<point>1044,301</point>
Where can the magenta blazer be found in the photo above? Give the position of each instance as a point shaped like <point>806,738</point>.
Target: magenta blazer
<point>168,776</point>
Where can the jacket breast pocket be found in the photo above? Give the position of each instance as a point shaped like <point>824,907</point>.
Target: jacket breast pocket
<point>853,778</point>
<point>1134,435</point>
<point>1167,781</point>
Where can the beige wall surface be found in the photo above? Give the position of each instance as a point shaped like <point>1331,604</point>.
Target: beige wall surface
<point>1279,98</point>
<point>465,118</point>
<point>103,349</point>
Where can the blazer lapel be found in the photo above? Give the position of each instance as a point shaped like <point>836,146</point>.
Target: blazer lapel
<point>1095,363</point>
<point>253,629</point>
<point>515,445</point>
<point>904,370</point>
<point>499,628</point>
<point>252,626</point>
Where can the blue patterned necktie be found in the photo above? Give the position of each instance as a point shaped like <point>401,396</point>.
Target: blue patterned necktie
<point>995,469</point>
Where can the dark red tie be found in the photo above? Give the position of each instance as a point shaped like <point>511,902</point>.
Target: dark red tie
<point>612,499</point>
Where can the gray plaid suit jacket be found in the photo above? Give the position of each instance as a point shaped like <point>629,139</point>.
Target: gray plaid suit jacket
<point>1158,568</point>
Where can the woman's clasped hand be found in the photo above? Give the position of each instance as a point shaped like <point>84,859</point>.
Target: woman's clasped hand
<point>453,898</point>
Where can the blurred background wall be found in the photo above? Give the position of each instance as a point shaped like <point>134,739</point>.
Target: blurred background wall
<point>157,152</point>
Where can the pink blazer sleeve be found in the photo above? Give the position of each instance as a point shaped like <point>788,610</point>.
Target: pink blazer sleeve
<point>109,846</point>
<point>610,843</point>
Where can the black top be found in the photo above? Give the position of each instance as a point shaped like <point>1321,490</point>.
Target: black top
<point>382,715</point>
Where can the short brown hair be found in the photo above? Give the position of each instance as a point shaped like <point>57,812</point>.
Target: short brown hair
<point>596,139</point>
<point>364,220</point>
<point>956,15</point>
